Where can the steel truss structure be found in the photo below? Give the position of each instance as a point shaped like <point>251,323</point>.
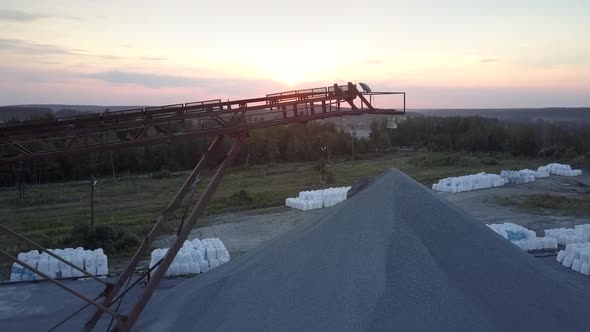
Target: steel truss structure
<point>229,120</point>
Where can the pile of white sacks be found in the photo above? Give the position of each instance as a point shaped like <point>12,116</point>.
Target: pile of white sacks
<point>560,169</point>
<point>196,256</point>
<point>516,177</point>
<point>522,237</point>
<point>91,261</point>
<point>565,236</point>
<point>468,182</point>
<point>576,256</point>
<point>317,199</point>
<point>483,180</point>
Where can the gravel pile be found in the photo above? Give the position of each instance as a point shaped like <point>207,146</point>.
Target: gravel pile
<point>393,257</point>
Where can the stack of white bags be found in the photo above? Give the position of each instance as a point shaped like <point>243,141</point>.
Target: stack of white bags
<point>576,256</point>
<point>91,261</point>
<point>560,169</point>
<point>468,182</point>
<point>516,177</point>
<point>317,199</point>
<point>535,174</point>
<point>522,237</point>
<point>196,256</point>
<point>565,236</point>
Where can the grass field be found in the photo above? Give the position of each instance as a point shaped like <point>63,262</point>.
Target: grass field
<point>134,202</point>
<point>550,204</point>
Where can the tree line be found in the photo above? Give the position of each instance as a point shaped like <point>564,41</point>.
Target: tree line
<point>323,139</point>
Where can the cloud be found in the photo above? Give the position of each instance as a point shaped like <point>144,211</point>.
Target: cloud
<point>15,15</point>
<point>20,16</point>
<point>153,58</point>
<point>30,48</point>
<point>22,46</point>
<point>110,57</point>
<point>374,62</point>
<point>147,80</point>
<point>234,87</point>
<point>489,60</point>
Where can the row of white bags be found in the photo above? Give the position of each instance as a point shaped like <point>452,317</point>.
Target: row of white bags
<point>91,261</point>
<point>196,256</point>
<point>524,238</point>
<point>483,180</point>
<point>565,236</point>
<point>536,174</point>
<point>468,182</point>
<point>317,199</point>
<point>517,177</point>
<point>560,169</point>
<point>576,256</point>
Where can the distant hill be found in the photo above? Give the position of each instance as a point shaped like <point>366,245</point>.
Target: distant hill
<point>27,112</point>
<point>555,114</point>
<point>23,112</point>
<point>579,115</point>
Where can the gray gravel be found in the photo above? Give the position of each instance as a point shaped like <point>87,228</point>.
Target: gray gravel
<point>393,257</point>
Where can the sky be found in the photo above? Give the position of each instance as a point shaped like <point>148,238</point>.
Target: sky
<point>444,54</point>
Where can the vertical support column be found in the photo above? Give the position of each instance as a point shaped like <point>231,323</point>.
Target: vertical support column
<point>127,323</point>
<point>404,102</point>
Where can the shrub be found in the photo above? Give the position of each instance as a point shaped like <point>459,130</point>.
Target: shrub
<point>330,177</point>
<point>162,174</point>
<point>101,236</point>
<point>436,160</point>
<point>489,161</point>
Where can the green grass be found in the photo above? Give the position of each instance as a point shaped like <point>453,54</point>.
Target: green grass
<point>134,202</point>
<point>549,203</point>
<point>505,200</point>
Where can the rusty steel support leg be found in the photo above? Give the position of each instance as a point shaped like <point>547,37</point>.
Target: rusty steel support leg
<point>126,323</point>
<point>208,157</point>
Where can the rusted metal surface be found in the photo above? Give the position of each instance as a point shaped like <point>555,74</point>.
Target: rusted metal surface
<point>30,140</point>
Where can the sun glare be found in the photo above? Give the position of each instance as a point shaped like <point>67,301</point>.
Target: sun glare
<point>287,66</point>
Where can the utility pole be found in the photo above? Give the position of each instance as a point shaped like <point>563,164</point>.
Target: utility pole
<point>20,181</point>
<point>323,164</point>
<point>93,182</point>
<point>353,134</point>
<point>113,166</point>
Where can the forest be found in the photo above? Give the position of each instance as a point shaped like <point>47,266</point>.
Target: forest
<point>324,140</point>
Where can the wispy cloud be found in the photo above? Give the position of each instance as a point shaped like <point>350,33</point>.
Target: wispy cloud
<point>153,58</point>
<point>145,79</point>
<point>30,48</point>
<point>16,15</point>
<point>22,46</point>
<point>374,62</point>
<point>110,57</point>
<point>21,16</point>
<point>216,86</point>
<point>488,60</point>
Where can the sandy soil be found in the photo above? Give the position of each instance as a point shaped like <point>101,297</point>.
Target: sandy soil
<point>483,204</point>
<point>244,231</point>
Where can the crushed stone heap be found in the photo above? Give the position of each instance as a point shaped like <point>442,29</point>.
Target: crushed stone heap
<point>393,257</point>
